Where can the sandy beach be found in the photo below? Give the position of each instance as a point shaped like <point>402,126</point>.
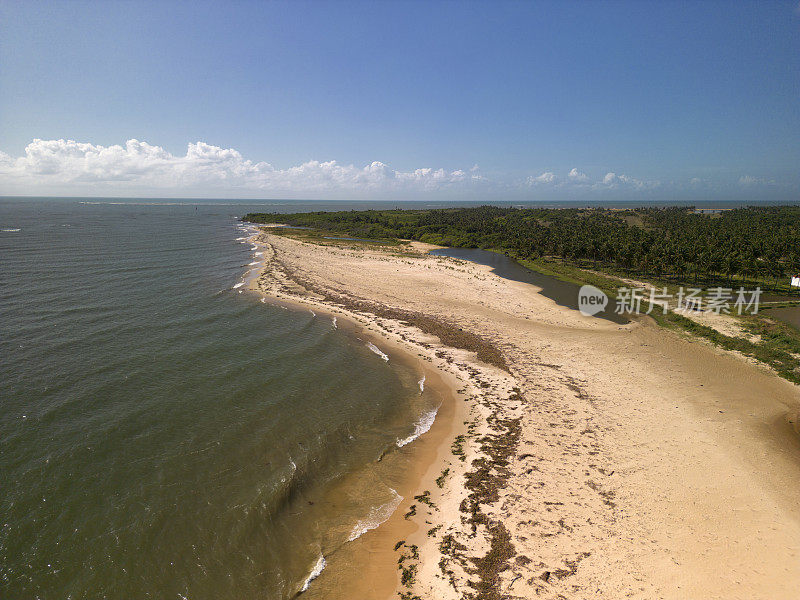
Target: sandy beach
<point>577,457</point>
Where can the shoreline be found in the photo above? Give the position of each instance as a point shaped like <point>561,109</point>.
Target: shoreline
<point>367,567</point>
<point>589,467</point>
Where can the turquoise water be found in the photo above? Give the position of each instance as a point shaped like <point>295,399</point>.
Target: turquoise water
<point>163,435</point>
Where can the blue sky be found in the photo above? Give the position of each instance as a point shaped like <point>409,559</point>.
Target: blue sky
<point>682,100</point>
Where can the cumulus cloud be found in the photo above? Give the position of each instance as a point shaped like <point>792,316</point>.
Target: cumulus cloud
<point>576,175</point>
<point>614,181</point>
<point>579,182</point>
<point>548,177</point>
<point>137,168</point>
<point>137,165</point>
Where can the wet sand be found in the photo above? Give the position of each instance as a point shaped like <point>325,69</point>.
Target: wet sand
<point>612,460</point>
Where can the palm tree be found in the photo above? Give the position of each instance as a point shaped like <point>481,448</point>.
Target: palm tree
<point>731,265</point>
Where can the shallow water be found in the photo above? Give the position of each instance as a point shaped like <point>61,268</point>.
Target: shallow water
<point>165,434</point>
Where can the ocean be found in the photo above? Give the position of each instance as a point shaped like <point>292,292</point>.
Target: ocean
<point>164,434</point>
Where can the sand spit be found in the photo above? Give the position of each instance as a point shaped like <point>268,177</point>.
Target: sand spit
<point>595,460</point>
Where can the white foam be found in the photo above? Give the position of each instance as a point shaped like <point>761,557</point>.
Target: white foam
<point>293,470</point>
<point>254,247</point>
<point>255,262</point>
<point>377,351</point>
<point>377,516</point>
<point>10,230</point>
<point>421,383</point>
<point>420,427</point>
<point>313,314</point>
<point>240,239</point>
<point>319,566</point>
<point>258,254</point>
<point>238,285</point>
<point>334,323</point>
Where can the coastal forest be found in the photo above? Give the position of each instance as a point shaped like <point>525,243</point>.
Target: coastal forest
<point>677,243</point>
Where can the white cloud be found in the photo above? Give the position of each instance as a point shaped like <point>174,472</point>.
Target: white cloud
<point>614,181</point>
<point>576,175</point>
<point>548,177</point>
<point>67,164</point>
<point>577,182</point>
<point>136,168</point>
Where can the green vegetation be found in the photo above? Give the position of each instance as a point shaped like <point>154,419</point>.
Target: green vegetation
<point>778,344</point>
<point>323,236</point>
<point>747,246</point>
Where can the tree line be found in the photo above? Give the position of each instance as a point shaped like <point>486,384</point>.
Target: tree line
<point>757,243</point>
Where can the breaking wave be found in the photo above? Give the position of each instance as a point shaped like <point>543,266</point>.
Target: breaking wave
<point>377,516</point>
<point>420,427</point>
<point>319,566</point>
<point>377,351</point>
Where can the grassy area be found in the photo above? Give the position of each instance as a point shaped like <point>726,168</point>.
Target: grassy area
<point>332,238</point>
<point>609,280</point>
<point>566,272</point>
<point>778,345</point>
